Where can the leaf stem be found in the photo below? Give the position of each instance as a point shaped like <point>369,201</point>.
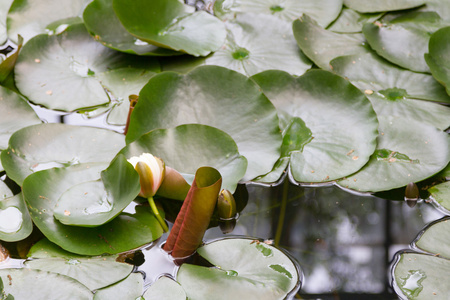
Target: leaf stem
<point>157,215</point>
<point>282,212</point>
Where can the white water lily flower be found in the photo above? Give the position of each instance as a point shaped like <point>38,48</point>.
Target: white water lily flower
<point>151,172</point>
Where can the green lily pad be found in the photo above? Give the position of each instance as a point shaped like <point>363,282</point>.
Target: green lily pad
<point>392,103</point>
<point>171,24</point>
<point>419,276</point>
<point>165,289</point>
<point>404,40</point>
<point>41,285</point>
<point>442,7</point>
<point>329,126</point>
<point>438,58</point>
<point>407,151</point>
<point>125,232</point>
<point>321,45</point>
<point>258,42</point>
<point>5,192</point>
<point>368,6</point>
<point>33,148</point>
<point>371,72</point>
<point>102,22</point>
<point>93,272</point>
<point>30,18</point>
<point>188,147</point>
<point>64,72</point>
<point>350,21</point>
<point>249,267</point>
<point>99,201</point>
<point>323,11</point>
<point>15,221</point>
<point>129,288</point>
<point>440,194</point>
<point>15,113</point>
<point>4,7</point>
<point>217,97</point>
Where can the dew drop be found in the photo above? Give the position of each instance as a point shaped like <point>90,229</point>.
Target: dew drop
<point>10,220</point>
<point>412,284</point>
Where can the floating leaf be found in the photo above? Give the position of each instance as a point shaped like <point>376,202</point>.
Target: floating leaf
<point>34,148</point>
<point>419,276</point>
<point>256,43</point>
<point>442,7</point>
<point>440,194</point>
<point>323,11</point>
<point>189,147</point>
<point>368,6</point>
<point>321,45</point>
<point>165,289</point>
<point>393,103</point>
<point>64,72</point>
<point>15,113</point>
<point>4,7</point>
<point>15,221</point>
<point>329,126</point>
<point>249,267</point>
<point>41,285</point>
<point>171,24</point>
<point>407,151</point>
<point>102,22</point>
<point>195,214</point>
<point>216,97</point>
<point>5,192</point>
<point>99,201</point>
<point>7,67</point>
<point>438,58</point>
<point>125,232</point>
<point>350,21</point>
<point>371,72</point>
<point>129,288</point>
<point>404,40</point>
<point>30,18</point>
<point>93,272</point>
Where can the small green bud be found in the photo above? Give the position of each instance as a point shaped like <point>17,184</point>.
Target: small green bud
<point>411,194</point>
<point>226,205</point>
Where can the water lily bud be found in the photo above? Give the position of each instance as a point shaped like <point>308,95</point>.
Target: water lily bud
<point>151,172</point>
<point>226,205</point>
<point>411,194</point>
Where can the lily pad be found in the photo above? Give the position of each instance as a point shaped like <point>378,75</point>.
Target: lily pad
<point>350,21</point>
<point>217,97</point>
<point>64,72</point>
<point>407,151</point>
<point>100,201</point>
<point>30,18</point>
<point>33,148</point>
<point>258,42</point>
<point>188,147</point>
<point>438,58</point>
<point>171,24</point>
<point>393,103</point>
<point>129,288</point>
<point>404,40</point>
<point>323,11</point>
<point>5,192</point>
<point>329,126</point>
<point>419,276</point>
<point>165,289</point>
<point>442,7</point>
<point>42,285</point>
<point>93,272</point>
<point>249,267</point>
<point>15,113</point>
<point>371,72</point>
<point>368,6</point>
<point>102,22</point>
<point>4,7</point>
<point>440,194</point>
<point>125,232</point>
<point>15,221</point>
<point>321,45</point>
